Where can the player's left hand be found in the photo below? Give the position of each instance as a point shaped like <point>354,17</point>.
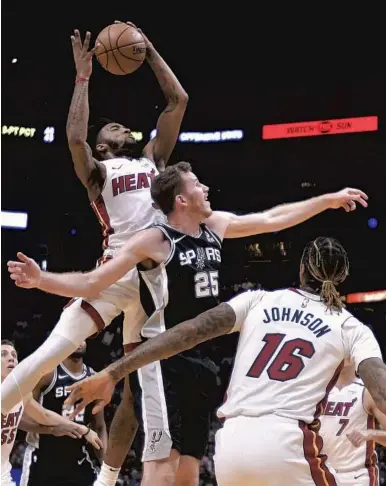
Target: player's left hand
<point>99,388</point>
<point>26,272</point>
<point>347,199</point>
<point>356,438</point>
<point>148,44</point>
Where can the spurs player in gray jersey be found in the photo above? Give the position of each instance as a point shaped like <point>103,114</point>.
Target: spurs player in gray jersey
<point>118,187</point>
<point>181,196</point>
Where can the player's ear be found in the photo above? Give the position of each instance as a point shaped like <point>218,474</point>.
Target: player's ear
<point>102,148</point>
<point>180,199</point>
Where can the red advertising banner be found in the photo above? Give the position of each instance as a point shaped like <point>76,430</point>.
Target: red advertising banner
<point>321,127</point>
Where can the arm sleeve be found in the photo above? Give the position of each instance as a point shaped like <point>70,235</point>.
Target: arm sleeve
<point>359,342</point>
<point>242,304</point>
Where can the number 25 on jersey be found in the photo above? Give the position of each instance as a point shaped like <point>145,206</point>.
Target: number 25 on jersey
<point>288,361</point>
<point>206,284</point>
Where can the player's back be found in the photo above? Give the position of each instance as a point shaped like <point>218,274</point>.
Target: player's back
<point>343,413</point>
<point>289,355</point>
<point>125,205</point>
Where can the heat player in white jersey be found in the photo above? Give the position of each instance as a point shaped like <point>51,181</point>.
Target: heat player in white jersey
<point>292,346</point>
<point>350,412</point>
<point>38,419</point>
<point>118,186</point>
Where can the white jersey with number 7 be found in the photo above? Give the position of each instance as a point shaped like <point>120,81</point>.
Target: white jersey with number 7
<point>290,353</point>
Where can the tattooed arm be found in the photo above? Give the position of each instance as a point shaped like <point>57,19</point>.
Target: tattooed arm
<point>373,373</point>
<point>100,387</point>
<point>161,146</point>
<point>210,324</point>
<point>88,170</point>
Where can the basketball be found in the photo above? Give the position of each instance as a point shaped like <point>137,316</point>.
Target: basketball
<point>121,49</point>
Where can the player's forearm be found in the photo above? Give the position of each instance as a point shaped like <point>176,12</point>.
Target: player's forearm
<point>373,373</point>
<point>208,325</point>
<point>287,215</point>
<point>171,87</point>
<point>27,424</point>
<point>72,284</point>
<point>77,121</point>
<point>378,436</point>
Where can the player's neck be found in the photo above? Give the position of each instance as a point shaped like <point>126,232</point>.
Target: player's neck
<point>185,223</point>
<point>345,378</point>
<point>74,366</point>
<point>308,289</point>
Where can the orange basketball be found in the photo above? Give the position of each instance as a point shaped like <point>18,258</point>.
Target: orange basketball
<point>121,49</point>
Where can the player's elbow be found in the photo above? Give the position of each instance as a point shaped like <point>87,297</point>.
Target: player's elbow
<point>76,143</point>
<point>183,98</point>
<point>179,100</point>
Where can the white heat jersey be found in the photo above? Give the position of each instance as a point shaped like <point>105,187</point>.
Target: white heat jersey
<point>125,205</point>
<point>9,425</point>
<point>343,413</point>
<point>290,352</point>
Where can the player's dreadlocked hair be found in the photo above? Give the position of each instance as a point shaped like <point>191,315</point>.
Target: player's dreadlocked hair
<point>325,262</point>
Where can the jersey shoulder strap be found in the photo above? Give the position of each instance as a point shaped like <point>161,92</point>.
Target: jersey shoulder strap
<point>211,236</point>
<point>51,385</point>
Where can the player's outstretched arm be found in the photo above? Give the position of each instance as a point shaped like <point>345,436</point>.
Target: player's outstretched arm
<point>169,122</point>
<point>146,244</point>
<point>50,418</point>
<point>100,387</point>
<point>373,373</point>
<point>357,437</point>
<point>88,170</point>
<point>228,225</point>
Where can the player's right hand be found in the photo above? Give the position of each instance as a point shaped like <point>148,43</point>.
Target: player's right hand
<point>98,388</point>
<point>82,56</point>
<point>26,273</point>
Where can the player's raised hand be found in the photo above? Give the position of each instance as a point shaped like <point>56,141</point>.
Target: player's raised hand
<point>147,42</point>
<point>356,438</point>
<point>26,273</point>
<point>82,54</point>
<point>347,199</point>
<point>99,388</point>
